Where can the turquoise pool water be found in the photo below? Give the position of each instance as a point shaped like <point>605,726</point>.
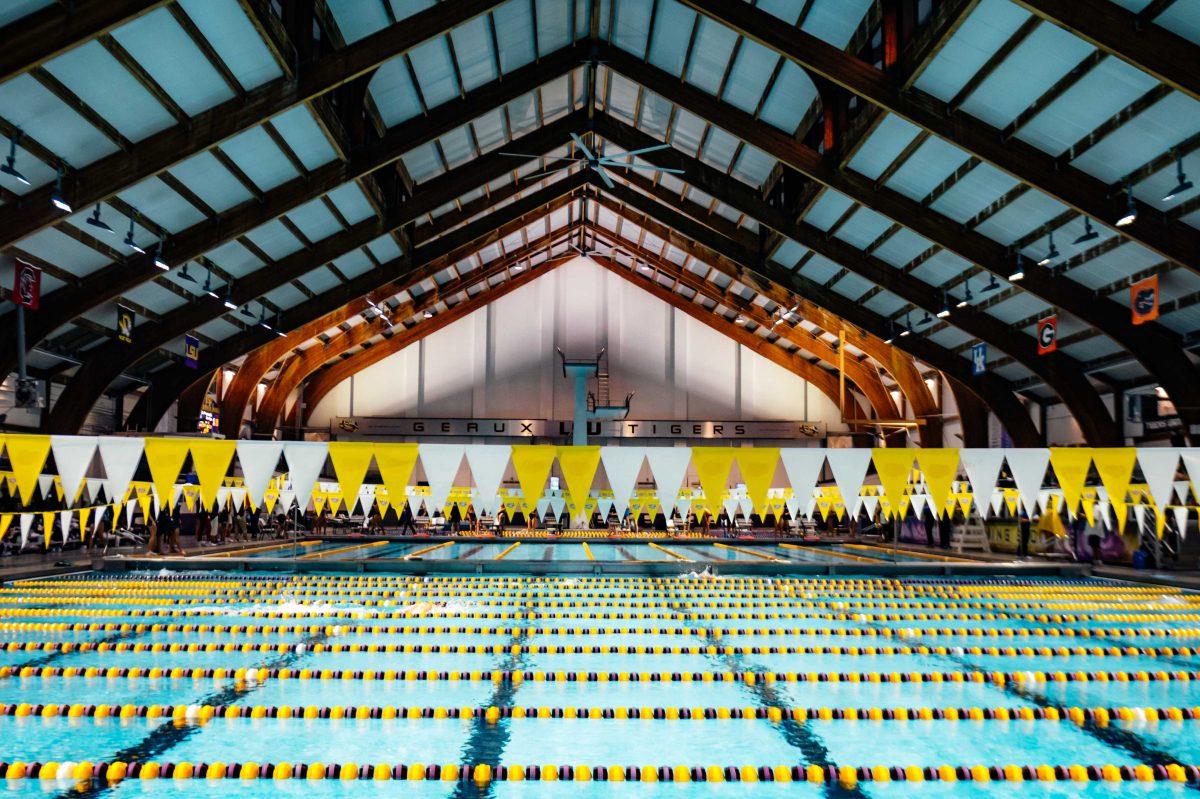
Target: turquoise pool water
<point>593,672</point>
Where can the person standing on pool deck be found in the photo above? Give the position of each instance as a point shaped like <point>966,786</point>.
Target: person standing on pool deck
<point>406,521</point>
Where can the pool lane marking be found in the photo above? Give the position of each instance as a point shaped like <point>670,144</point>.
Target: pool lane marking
<point>428,549</point>
<point>762,555</point>
<point>827,551</point>
<point>673,554</point>
<point>239,552</point>
<point>342,550</point>
<point>911,553</point>
<point>507,550</point>
<point>588,551</point>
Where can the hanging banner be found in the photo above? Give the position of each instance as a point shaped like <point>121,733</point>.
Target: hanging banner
<point>1180,512</point>
<point>1159,466</point>
<point>893,465</point>
<point>27,454</point>
<point>191,351</point>
<point>1028,467</point>
<point>125,318</point>
<point>165,457</point>
<point>669,466</point>
<point>622,466</point>
<point>488,464</point>
<point>803,467</point>
<point>396,463</point>
<point>1047,334</point>
<point>258,460</point>
<point>982,466</point>
<point>1071,467</point>
<point>351,460</point>
<point>26,526</point>
<point>713,465</point>
<point>305,459</point>
<point>849,467</point>
<point>27,285</point>
<point>441,463</point>
<point>72,456</point>
<point>1143,300</point>
<point>939,465</point>
<point>579,466</point>
<point>757,465</point>
<point>120,456</point>
<point>979,358</point>
<point>210,460</point>
<point>532,464</point>
<point>1115,466</point>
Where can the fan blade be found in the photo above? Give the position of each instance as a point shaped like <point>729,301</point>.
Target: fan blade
<point>604,176</point>
<point>543,155</point>
<point>537,175</point>
<point>649,149</point>
<point>583,147</point>
<point>650,167</point>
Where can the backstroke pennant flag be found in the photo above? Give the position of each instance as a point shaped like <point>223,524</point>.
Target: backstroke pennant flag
<point>893,465</point>
<point>488,463</point>
<point>803,466</point>
<point>351,459</point>
<point>578,466</point>
<point>849,468</point>
<point>622,465</point>
<point>1071,467</point>
<point>258,460</point>
<point>72,455</point>
<point>939,465</point>
<point>305,459</point>
<point>211,458</point>
<point>713,465</point>
<point>1159,465</point>
<point>27,454</point>
<point>532,464</point>
<point>1028,467</point>
<point>758,471</point>
<point>669,465</point>
<point>396,463</point>
<point>1115,466</point>
<point>165,457</point>
<point>120,456</point>
<point>982,466</point>
<point>440,462</point>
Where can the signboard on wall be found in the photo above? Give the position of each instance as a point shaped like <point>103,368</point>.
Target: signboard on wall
<point>553,428</point>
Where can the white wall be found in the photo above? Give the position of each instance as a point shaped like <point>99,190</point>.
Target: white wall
<point>501,362</point>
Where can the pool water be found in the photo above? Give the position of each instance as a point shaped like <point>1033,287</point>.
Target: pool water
<point>436,675</point>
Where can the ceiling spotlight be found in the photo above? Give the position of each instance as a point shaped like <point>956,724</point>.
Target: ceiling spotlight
<point>1051,254</point>
<point>992,284</point>
<point>262,317</point>
<point>428,314</point>
<point>741,320</point>
<point>1018,272</point>
<point>9,167</point>
<point>56,199</point>
<point>161,262</point>
<point>1182,184</point>
<point>1089,232</point>
<point>516,268</point>
<point>942,314</point>
<point>183,274</point>
<point>906,328</point>
<point>95,221</point>
<point>208,289</point>
<point>966,299</point>
<point>891,334</point>
<point>246,312</point>
<point>228,300</point>
<point>926,319</point>
<point>129,242</point>
<point>279,324</point>
<point>1130,209</point>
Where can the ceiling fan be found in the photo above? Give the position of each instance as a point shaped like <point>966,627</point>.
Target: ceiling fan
<point>600,163</point>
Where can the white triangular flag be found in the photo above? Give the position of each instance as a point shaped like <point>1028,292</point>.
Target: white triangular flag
<point>223,494</point>
<point>793,506</point>
<point>64,522</point>
<point>802,466</point>
<point>557,504</point>
<point>1182,488</point>
<point>488,463</point>
<point>1159,465</point>
<point>45,484</point>
<point>731,506</point>
<point>1102,508</point>
<point>259,460</point>
<point>849,468</point>
<point>1028,467</point>
<point>669,466</point>
<point>72,455</point>
<point>918,502</point>
<point>542,506</point>
<point>1181,519</point>
<point>983,470</point>
<point>605,506</point>
<point>622,466</point>
<point>871,503</point>
<point>305,459</point>
<point>997,503</point>
<point>120,456</point>
<point>26,526</point>
<point>98,517</point>
<point>1139,515</point>
<point>94,487</point>
<point>441,463</point>
<point>130,507</point>
<point>1191,462</point>
<point>239,497</point>
<point>286,498</point>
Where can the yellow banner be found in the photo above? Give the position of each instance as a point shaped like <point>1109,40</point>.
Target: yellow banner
<point>713,465</point>
<point>1115,465</point>
<point>578,466</point>
<point>396,463</point>
<point>893,465</point>
<point>532,464</point>
<point>758,471</point>
<point>165,457</point>
<point>940,466</point>
<point>351,459</point>
<point>1071,467</point>
<point>211,458</point>
<point>27,454</point>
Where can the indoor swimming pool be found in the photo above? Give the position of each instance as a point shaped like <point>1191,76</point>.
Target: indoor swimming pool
<point>266,684</point>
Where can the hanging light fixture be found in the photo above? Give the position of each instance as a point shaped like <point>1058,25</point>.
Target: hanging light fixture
<point>1051,254</point>
<point>246,312</point>
<point>9,167</point>
<point>1018,272</point>
<point>159,260</point>
<point>1130,209</point>
<point>966,298</point>
<point>891,334</point>
<point>428,314</point>
<point>1182,184</point>
<point>208,289</point>
<point>95,221</point>
<point>1089,232</point>
<point>926,320</point>
<point>183,275</point>
<point>945,311</point>
<point>906,328</point>
<point>279,324</point>
<point>992,284</point>
<point>56,199</point>
<point>129,242</point>
<point>228,300</point>
<point>262,316</point>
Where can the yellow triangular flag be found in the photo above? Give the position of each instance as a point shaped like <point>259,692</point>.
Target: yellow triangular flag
<point>211,458</point>
<point>84,515</point>
<point>143,501</point>
<point>578,466</point>
<point>5,523</point>
<point>351,459</point>
<point>27,454</point>
<point>396,463</point>
<point>1115,465</point>
<point>713,465</point>
<point>940,466</point>
<point>532,464</point>
<point>893,464</point>
<point>964,503</point>
<point>757,465</point>
<point>165,457</point>
<point>1071,467</point>
<point>48,526</point>
<point>1089,510</point>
